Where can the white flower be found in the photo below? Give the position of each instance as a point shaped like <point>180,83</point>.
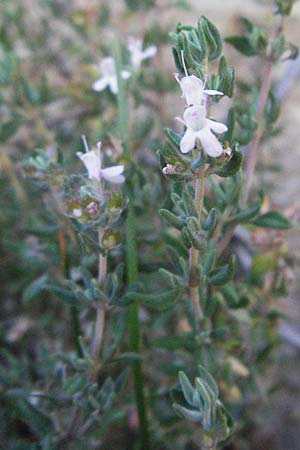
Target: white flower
<point>137,54</point>
<point>193,89</point>
<point>199,127</point>
<point>109,78</point>
<point>92,162</point>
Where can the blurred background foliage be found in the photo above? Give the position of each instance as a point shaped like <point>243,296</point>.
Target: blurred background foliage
<point>48,54</point>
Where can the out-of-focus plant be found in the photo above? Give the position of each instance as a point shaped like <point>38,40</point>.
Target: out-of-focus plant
<point>120,310</point>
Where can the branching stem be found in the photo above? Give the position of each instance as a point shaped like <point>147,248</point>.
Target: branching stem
<point>261,103</point>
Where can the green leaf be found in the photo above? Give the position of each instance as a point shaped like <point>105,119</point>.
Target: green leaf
<point>174,342</point>
<point>231,297</point>
<point>284,7</point>
<point>222,274</point>
<point>231,167</point>
<point>247,214</point>
<point>262,263</point>
<point>173,279</point>
<point>176,242</point>
<point>208,261</point>
<point>189,204</point>
<point>272,108</point>
<point>198,161</point>
<point>205,402</point>
<point>177,61</point>
<point>294,52</point>
<point>210,221</point>
<point>35,288</point>
<point>206,376</point>
<point>40,423</point>
<point>128,356</point>
<point>139,4</point>
<point>190,414</point>
<point>171,155</point>
<point>242,44</point>
<point>62,294</point>
<point>161,301</point>
<point>278,46</point>
<point>171,219</point>
<point>187,388</point>
<point>247,24</point>
<point>195,235</point>
<point>9,128</point>
<point>30,92</point>
<point>273,219</point>
<point>174,138</point>
<point>74,383</point>
<point>209,34</point>
<point>226,78</point>
<point>8,66</point>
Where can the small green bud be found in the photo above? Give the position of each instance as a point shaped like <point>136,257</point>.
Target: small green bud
<point>110,238</point>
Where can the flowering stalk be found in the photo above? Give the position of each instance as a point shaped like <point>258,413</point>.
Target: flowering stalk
<point>132,265</point>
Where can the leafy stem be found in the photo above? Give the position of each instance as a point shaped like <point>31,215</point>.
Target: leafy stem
<point>194,253</point>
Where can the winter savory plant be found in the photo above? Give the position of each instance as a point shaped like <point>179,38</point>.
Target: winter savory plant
<point>166,330</point>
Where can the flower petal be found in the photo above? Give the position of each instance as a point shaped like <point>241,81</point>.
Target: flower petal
<point>92,162</point>
<point>187,143</point>
<point>194,117</point>
<point>118,179</point>
<point>192,89</point>
<point>107,66</point>
<point>112,171</point>
<point>100,84</point>
<point>209,142</point>
<point>112,175</point>
<point>212,92</point>
<point>217,127</point>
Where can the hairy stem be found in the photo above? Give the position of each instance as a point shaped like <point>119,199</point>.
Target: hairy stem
<point>194,253</point>
<point>132,265</point>
<point>261,103</point>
